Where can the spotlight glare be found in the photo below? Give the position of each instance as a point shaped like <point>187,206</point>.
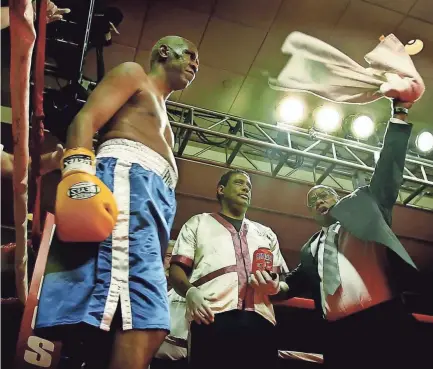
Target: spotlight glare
<point>290,110</point>
<point>327,119</point>
<point>362,127</point>
<point>424,142</point>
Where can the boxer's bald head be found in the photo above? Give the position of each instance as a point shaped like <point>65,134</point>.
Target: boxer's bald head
<point>178,57</point>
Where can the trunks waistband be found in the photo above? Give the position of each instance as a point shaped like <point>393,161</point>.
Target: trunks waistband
<point>138,153</point>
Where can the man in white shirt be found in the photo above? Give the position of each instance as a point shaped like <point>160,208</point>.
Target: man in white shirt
<point>346,264</point>
<point>232,320</point>
<point>172,354</point>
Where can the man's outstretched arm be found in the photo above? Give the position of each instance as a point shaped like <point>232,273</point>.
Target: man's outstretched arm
<point>53,13</point>
<point>49,162</point>
<point>388,175</point>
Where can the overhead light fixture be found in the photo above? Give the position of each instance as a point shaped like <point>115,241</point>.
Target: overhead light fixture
<point>327,119</point>
<point>414,47</point>
<point>362,127</point>
<point>424,142</point>
<point>290,111</point>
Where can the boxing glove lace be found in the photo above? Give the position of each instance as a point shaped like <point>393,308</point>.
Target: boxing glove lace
<point>86,210</point>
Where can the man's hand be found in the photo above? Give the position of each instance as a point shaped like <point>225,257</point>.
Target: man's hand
<point>52,161</point>
<point>57,156</point>
<point>197,308</point>
<point>401,88</point>
<point>263,283</point>
<point>53,12</point>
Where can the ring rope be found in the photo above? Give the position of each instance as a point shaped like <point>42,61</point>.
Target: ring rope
<point>23,38</point>
<point>38,119</point>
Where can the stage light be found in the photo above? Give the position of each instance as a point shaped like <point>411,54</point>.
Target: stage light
<point>362,127</point>
<point>424,142</point>
<point>327,119</point>
<point>290,110</point>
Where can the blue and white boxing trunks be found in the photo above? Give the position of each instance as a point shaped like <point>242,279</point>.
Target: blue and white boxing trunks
<point>85,282</point>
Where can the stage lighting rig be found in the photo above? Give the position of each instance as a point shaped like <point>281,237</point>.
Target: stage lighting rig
<point>327,119</point>
<point>290,111</point>
<point>424,142</point>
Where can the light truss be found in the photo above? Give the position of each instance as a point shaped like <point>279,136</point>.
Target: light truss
<point>290,153</point>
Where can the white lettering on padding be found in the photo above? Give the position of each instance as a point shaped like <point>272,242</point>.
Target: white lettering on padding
<point>83,190</point>
<point>39,355</point>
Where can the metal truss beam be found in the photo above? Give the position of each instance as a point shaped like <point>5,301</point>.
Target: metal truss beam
<point>325,174</point>
<point>414,194</point>
<point>185,135</point>
<point>285,152</point>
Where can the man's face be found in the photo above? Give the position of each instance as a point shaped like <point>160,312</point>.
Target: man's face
<point>320,200</point>
<point>167,258</point>
<point>237,191</point>
<point>183,64</point>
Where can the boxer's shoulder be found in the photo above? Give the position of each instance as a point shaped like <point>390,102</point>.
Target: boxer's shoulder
<point>130,73</point>
<point>130,69</point>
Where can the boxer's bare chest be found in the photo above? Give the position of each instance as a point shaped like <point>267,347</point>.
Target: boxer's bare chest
<point>143,118</point>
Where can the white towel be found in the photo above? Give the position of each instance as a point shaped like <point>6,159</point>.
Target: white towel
<point>322,70</point>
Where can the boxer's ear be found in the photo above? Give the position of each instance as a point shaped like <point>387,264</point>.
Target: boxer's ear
<point>163,51</point>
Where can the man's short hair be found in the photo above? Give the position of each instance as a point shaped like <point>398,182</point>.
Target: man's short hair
<point>225,178</point>
<point>327,188</point>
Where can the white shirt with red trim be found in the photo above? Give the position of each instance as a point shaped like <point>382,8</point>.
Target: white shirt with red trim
<point>175,344</point>
<point>220,261</point>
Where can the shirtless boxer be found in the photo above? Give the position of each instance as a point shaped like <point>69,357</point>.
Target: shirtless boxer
<point>87,282</point>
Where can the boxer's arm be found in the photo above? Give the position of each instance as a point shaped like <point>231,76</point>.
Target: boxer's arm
<point>116,88</point>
